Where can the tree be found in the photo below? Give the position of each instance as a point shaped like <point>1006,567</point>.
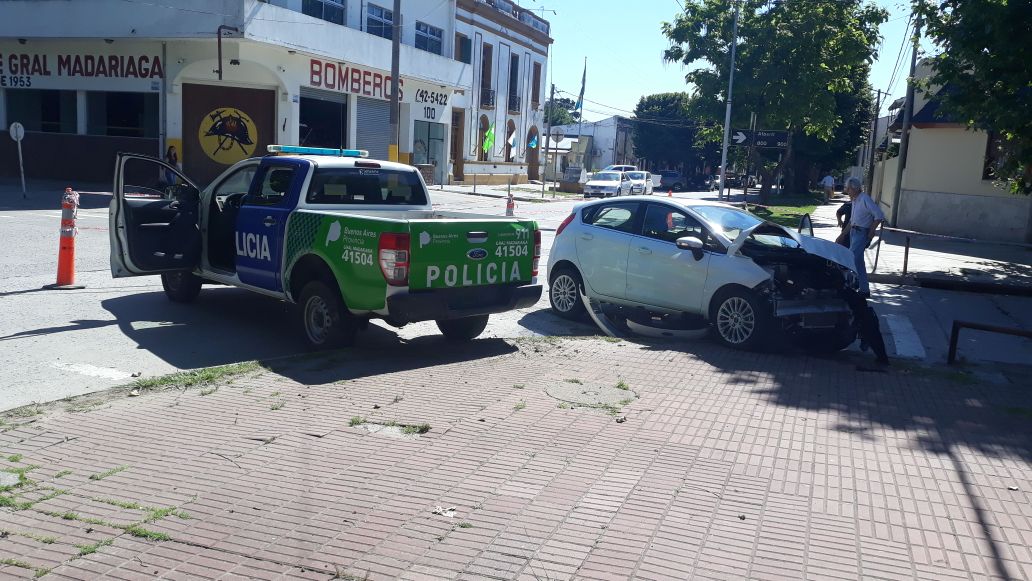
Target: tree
<point>794,59</point>
<point>561,111</point>
<point>983,66</point>
<point>663,131</point>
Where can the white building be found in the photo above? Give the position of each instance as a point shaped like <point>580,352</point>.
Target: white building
<point>611,142</point>
<point>93,77</point>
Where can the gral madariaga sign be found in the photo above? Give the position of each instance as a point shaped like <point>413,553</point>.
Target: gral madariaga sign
<point>28,70</point>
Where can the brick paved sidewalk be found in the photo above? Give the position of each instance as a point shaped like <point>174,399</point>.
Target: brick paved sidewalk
<point>726,466</point>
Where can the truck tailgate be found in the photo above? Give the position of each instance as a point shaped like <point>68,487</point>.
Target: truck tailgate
<point>469,253</point>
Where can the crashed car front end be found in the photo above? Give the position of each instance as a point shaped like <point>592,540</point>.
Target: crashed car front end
<point>810,285</point>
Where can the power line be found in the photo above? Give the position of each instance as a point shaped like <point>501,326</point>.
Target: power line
<point>899,56</point>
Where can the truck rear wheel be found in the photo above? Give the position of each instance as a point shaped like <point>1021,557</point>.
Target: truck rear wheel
<point>181,286</point>
<point>464,329</point>
<point>324,319</point>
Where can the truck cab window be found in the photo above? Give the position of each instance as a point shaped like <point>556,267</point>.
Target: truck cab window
<point>274,187</point>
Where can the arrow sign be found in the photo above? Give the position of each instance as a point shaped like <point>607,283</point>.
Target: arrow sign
<point>740,137</point>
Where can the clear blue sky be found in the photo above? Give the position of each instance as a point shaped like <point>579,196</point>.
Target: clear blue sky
<point>624,48</point>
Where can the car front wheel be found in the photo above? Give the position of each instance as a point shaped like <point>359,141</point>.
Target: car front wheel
<point>564,294</point>
<point>740,319</point>
<point>181,287</point>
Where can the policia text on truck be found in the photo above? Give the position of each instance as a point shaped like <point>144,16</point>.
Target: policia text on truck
<point>346,238</point>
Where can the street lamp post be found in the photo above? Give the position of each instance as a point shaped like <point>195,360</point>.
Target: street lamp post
<point>727,113</point>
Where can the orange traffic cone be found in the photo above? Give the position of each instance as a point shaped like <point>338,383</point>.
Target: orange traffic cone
<point>510,205</point>
<point>670,193</point>
<point>66,250</point>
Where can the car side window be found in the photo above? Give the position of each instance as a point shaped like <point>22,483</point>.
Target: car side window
<point>274,187</point>
<point>238,182</point>
<point>667,224</point>
<point>621,217</point>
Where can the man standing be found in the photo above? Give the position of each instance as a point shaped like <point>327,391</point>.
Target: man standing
<point>828,183</point>
<point>863,223</point>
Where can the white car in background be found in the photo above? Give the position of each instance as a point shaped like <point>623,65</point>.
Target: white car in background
<point>620,168</point>
<point>641,182</point>
<point>691,261</point>
<point>606,184</point>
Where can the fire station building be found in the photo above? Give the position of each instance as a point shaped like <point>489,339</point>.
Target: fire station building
<point>211,83</point>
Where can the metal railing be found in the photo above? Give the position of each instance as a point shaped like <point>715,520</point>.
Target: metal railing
<point>514,103</point>
<point>958,325</point>
<point>487,97</point>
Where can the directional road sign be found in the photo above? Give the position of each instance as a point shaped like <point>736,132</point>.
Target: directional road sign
<point>741,137</point>
<point>771,139</point>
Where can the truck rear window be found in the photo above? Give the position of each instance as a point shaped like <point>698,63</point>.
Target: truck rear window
<point>366,186</point>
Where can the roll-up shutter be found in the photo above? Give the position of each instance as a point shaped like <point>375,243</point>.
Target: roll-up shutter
<point>373,127</point>
<point>334,96</point>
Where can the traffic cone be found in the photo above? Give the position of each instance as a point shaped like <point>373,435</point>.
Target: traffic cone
<point>670,193</point>
<point>66,250</point>
<point>510,205</point>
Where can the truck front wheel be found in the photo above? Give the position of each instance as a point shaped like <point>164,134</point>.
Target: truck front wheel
<point>324,319</point>
<point>464,329</point>
<point>181,286</point>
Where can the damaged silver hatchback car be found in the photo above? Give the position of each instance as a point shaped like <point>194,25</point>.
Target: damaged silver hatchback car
<point>752,281</point>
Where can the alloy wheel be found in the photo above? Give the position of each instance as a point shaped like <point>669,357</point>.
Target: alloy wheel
<point>564,293</point>
<point>736,320</point>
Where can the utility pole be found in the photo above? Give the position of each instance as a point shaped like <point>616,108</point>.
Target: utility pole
<point>727,114</point>
<point>392,150</point>
<point>874,141</point>
<point>749,158</point>
<point>908,113</point>
<point>548,139</point>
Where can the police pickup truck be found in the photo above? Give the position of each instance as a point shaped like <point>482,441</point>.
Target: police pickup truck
<point>346,238</point>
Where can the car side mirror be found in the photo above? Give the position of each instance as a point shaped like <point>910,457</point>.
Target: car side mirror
<point>690,243</point>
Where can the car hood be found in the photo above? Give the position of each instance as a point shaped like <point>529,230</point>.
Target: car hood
<point>816,246</point>
<point>601,183</point>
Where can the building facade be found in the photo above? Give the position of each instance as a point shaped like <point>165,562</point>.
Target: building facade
<point>210,83</point>
<point>610,142</point>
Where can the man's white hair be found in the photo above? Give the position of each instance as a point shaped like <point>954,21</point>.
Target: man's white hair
<point>855,182</point>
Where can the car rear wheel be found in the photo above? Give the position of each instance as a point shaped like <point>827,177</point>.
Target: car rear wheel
<point>464,329</point>
<point>564,294</point>
<point>181,287</point>
<point>739,319</point>
<point>324,319</point>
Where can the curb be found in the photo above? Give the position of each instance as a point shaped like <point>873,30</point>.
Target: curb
<point>499,196</point>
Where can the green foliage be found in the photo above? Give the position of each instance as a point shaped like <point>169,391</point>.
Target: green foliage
<point>561,111</point>
<point>668,129</point>
<point>799,66</point>
<point>984,55</point>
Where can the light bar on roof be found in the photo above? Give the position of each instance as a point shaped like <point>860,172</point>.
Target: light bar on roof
<point>298,150</point>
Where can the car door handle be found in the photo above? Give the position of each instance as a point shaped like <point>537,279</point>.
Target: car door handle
<point>587,236</point>
<point>644,250</point>
<point>269,221</point>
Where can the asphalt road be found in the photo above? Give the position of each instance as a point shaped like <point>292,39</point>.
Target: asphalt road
<point>55,344</point>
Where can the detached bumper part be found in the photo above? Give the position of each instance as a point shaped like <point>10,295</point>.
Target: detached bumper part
<point>454,303</point>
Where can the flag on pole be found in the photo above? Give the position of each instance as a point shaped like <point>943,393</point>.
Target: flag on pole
<point>512,139</point>
<point>580,98</point>
<point>533,142</point>
<point>489,139</point>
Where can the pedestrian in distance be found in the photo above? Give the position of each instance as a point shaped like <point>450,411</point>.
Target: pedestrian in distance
<point>864,220</point>
<point>172,159</point>
<point>828,183</point>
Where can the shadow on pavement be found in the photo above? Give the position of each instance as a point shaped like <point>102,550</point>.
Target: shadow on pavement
<point>943,411</point>
<point>227,325</point>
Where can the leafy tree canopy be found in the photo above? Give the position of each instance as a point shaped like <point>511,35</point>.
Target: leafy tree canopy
<point>985,59</point>
<point>561,111</point>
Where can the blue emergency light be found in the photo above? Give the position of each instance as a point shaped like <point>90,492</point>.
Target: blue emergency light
<point>298,150</point>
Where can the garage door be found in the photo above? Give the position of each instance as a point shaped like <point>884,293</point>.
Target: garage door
<point>373,126</point>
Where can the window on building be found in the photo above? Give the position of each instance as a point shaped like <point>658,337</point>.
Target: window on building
<point>536,89</point>
<point>487,58</point>
<point>42,110</point>
<point>429,38</point>
<point>328,10</point>
<point>379,21</point>
<point>994,156</point>
<point>514,75</point>
<point>120,114</point>
<point>463,48</point>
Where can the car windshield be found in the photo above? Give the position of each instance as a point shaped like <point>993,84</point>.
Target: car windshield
<point>728,221</point>
<point>607,176</point>
<point>637,175</point>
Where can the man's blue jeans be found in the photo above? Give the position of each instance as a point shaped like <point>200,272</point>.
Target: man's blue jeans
<point>857,244</point>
